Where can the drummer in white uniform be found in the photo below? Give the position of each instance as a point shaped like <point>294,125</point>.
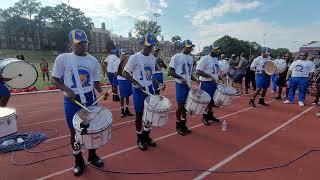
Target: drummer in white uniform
<point>109,61</point>
<point>78,86</point>
<point>299,75</point>
<point>139,71</point>
<point>180,68</point>
<point>262,79</point>
<point>208,70</point>
<point>125,87</point>
<point>4,91</point>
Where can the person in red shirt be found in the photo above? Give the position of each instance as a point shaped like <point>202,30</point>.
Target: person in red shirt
<point>44,65</point>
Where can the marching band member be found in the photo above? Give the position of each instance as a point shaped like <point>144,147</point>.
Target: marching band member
<point>250,76</point>
<point>281,81</point>
<point>240,73</point>
<point>158,76</point>
<point>139,71</point>
<point>4,92</point>
<point>110,73</point>
<point>180,68</point>
<point>125,88</point>
<point>208,70</point>
<point>262,79</point>
<point>299,75</point>
<point>77,74</point>
<point>274,77</point>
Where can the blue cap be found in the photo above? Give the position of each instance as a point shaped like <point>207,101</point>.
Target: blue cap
<point>77,35</point>
<point>116,51</point>
<point>148,40</point>
<point>266,50</point>
<point>187,43</point>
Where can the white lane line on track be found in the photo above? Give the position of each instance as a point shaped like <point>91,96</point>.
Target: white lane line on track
<point>247,147</point>
<point>134,147</point>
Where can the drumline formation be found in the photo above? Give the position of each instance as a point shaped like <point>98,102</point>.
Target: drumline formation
<point>140,75</point>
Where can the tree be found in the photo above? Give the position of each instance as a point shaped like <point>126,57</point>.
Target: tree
<point>64,18</point>
<point>143,27</point>
<point>279,52</point>
<point>176,39</point>
<point>25,8</point>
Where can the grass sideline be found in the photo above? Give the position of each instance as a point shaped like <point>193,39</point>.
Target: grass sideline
<point>34,57</point>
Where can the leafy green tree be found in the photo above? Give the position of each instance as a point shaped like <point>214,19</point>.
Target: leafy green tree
<point>143,27</point>
<point>25,8</point>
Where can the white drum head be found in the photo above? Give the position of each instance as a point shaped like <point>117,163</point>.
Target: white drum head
<point>24,74</point>
<point>270,67</point>
<point>226,90</point>
<point>100,118</point>
<point>158,103</point>
<point>199,95</point>
<point>5,112</point>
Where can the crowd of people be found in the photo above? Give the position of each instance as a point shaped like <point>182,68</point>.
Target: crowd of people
<point>77,74</point>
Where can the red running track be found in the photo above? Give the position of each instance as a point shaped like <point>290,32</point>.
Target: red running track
<point>255,138</point>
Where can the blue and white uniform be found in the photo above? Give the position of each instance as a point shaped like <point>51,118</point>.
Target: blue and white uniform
<point>88,71</point>
<point>158,75</point>
<point>111,59</point>
<point>125,87</point>
<point>262,79</point>
<point>142,69</point>
<point>209,65</point>
<point>182,63</point>
<point>301,70</point>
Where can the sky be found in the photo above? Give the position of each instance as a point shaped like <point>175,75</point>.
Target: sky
<point>273,23</point>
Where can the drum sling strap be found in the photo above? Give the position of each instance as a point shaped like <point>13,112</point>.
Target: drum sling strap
<point>77,79</point>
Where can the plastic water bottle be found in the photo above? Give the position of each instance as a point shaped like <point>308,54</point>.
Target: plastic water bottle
<point>20,140</point>
<point>224,125</point>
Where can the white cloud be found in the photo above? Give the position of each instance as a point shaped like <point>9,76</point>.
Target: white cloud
<point>222,8</point>
<point>277,35</point>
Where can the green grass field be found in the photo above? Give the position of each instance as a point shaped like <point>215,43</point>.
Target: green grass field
<point>34,57</point>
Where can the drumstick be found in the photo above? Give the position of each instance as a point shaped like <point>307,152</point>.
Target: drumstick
<point>101,97</point>
<point>82,106</point>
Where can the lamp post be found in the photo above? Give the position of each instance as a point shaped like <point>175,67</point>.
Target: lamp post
<point>156,15</point>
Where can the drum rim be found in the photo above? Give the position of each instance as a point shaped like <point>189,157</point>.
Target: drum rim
<point>275,69</point>
<point>36,79</point>
<point>109,124</point>
<point>227,87</point>
<point>198,100</point>
<point>9,115</point>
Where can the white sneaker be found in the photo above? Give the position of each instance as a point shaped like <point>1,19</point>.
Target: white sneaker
<point>272,92</point>
<point>318,114</point>
<point>301,103</point>
<point>287,102</point>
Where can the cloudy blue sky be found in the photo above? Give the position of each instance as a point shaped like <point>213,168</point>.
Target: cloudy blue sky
<point>275,23</point>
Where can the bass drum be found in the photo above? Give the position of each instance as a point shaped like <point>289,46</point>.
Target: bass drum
<point>23,74</point>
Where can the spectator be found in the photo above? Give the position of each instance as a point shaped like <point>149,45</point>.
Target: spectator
<point>250,76</point>
<point>44,66</point>
<point>240,73</point>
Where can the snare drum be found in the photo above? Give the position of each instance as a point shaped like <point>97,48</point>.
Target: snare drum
<point>155,112</point>
<point>23,74</point>
<point>197,101</point>
<point>8,123</point>
<point>99,130</point>
<point>223,95</point>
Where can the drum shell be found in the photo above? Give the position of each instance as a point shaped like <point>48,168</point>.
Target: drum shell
<point>155,118</point>
<point>197,106</point>
<point>8,123</point>
<point>94,138</point>
<point>221,97</point>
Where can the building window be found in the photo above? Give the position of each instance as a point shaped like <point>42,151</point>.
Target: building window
<point>3,37</point>
<point>3,44</point>
<point>21,38</point>
<point>38,46</point>
<point>29,39</point>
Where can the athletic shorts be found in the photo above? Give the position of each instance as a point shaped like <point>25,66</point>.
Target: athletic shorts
<point>112,79</point>
<point>209,87</point>
<point>182,91</point>
<point>262,80</point>
<point>125,88</point>
<point>4,90</point>
<point>139,97</point>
